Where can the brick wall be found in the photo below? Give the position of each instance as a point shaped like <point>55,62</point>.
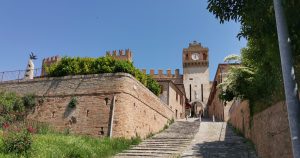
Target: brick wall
<point>218,109</point>
<point>269,130</point>
<point>240,117</point>
<point>137,110</point>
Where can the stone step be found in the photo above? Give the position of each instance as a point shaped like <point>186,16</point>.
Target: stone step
<point>165,144</point>
<point>150,151</point>
<point>160,147</point>
<point>168,145</point>
<point>152,148</point>
<point>145,154</point>
<point>168,140</point>
<point>140,156</point>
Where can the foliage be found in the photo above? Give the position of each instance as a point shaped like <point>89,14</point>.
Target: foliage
<point>11,102</point>
<point>81,66</point>
<point>232,58</point>
<point>29,101</point>
<point>261,55</point>
<point>17,139</point>
<point>233,86</point>
<point>11,107</point>
<point>64,146</point>
<point>153,85</point>
<point>171,121</point>
<point>39,127</point>
<point>72,104</point>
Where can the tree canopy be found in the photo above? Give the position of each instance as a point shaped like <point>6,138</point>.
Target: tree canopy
<point>261,56</point>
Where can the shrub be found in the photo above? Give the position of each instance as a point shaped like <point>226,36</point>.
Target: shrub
<point>82,66</point>
<point>11,102</point>
<point>153,86</point>
<point>12,107</point>
<point>43,128</point>
<point>72,104</point>
<point>17,140</point>
<point>29,101</point>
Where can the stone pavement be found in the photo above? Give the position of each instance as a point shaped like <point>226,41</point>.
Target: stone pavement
<point>185,139</point>
<point>169,143</point>
<point>218,140</point>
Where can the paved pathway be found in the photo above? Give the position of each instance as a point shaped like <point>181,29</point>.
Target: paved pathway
<point>218,140</point>
<point>169,143</point>
<point>185,139</point>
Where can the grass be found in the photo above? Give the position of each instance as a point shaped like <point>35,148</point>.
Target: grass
<point>71,146</point>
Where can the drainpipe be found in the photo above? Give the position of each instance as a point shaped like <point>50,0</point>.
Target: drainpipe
<point>111,117</point>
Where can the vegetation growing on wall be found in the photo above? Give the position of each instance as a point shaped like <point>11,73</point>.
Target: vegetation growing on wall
<point>13,107</point>
<point>21,138</point>
<point>81,66</point>
<point>73,102</point>
<point>259,79</point>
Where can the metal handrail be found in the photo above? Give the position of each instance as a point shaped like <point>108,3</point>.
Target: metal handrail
<point>17,75</point>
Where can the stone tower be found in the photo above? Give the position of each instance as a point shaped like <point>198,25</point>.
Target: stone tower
<point>196,73</point>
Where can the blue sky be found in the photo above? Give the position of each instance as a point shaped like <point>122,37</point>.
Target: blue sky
<point>155,30</point>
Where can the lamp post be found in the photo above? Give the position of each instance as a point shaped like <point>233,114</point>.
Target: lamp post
<point>290,85</point>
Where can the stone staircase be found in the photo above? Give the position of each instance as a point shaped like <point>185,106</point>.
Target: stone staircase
<point>218,140</point>
<point>169,143</point>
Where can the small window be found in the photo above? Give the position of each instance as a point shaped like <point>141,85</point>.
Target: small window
<point>106,101</point>
<point>87,113</point>
<point>176,96</point>
<point>161,89</point>
<point>180,100</point>
<point>191,78</point>
<point>101,131</point>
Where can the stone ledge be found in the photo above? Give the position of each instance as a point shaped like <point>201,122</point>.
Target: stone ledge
<point>69,77</point>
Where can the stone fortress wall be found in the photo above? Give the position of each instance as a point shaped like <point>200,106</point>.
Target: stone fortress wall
<point>137,111</point>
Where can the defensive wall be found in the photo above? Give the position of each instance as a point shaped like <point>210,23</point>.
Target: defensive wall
<point>127,55</point>
<point>104,101</point>
<point>268,130</point>
<point>168,74</point>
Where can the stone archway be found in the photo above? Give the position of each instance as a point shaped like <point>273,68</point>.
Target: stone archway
<point>197,109</point>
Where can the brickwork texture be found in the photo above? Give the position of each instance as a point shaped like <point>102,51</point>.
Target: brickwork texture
<point>268,130</point>
<point>137,111</point>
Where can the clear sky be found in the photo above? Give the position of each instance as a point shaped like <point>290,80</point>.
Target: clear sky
<point>155,30</point>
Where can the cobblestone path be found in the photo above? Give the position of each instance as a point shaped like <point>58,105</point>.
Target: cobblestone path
<point>169,143</point>
<point>218,140</point>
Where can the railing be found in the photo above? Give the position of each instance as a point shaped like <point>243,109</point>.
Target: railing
<point>17,75</point>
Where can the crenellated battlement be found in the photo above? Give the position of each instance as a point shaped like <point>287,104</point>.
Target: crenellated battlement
<point>48,61</point>
<point>52,59</point>
<point>160,73</point>
<point>120,55</point>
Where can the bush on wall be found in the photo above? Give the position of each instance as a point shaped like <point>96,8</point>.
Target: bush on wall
<point>13,107</point>
<point>82,66</point>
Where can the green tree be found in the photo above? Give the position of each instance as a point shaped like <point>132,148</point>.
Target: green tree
<point>261,55</point>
